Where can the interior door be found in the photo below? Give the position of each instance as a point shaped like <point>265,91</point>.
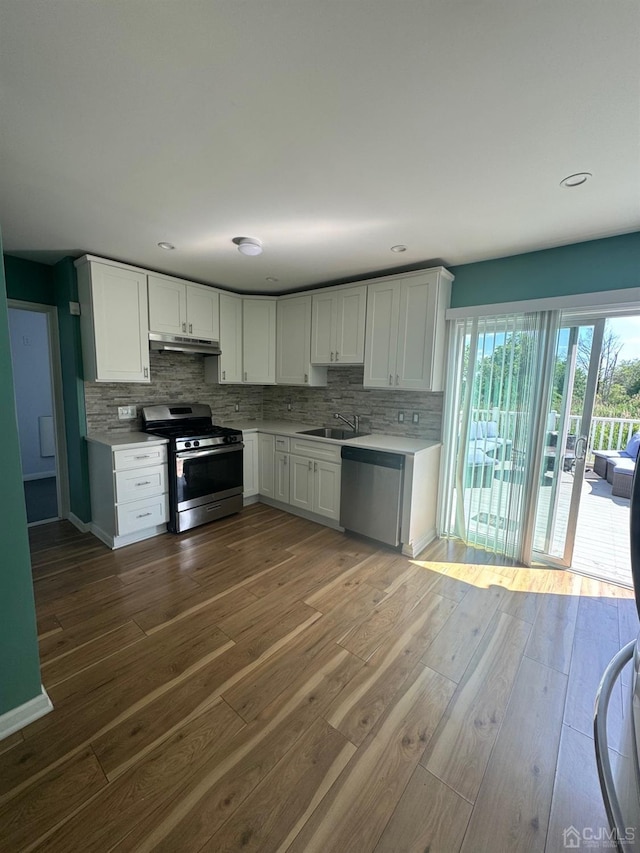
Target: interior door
<point>566,438</point>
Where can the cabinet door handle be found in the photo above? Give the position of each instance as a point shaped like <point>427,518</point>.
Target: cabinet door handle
<point>190,328</point>
<point>331,359</point>
<point>306,378</point>
<point>310,465</point>
<point>315,466</point>
<point>390,379</point>
<point>224,374</point>
<point>397,379</point>
<point>146,456</point>
<point>184,327</point>
<point>146,373</point>
<point>143,515</point>
<point>144,483</point>
<point>245,376</point>
<point>337,354</point>
<point>284,460</point>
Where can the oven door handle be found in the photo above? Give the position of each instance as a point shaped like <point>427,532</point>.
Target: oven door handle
<point>198,454</point>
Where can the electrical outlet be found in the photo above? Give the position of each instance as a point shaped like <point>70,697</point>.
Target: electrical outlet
<point>288,407</point>
<point>236,408</point>
<point>400,417</point>
<point>416,418</point>
<point>126,413</point>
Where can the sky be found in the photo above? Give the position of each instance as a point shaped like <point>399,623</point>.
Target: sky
<point>627,330</point>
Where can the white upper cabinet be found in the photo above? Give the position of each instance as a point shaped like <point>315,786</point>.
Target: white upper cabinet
<point>113,322</point>
<point>179,308</point>
<point>259,340</point>
<point>230,359</point>
<point>293,344</point>
<point>338,326</point>
<point>405,332</point>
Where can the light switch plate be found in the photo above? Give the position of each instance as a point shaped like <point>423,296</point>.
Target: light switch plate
<point>126,413</point>
<point>400,417</point>
<point>416,418</point>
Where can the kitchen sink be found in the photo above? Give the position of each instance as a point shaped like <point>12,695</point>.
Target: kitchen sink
<point>330,432</point>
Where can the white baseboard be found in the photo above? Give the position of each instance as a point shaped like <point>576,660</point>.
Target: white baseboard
<point>24,714</point>
<point>115,542</point>
<point>302,513</point>
<point>82,526</point>
<point>251,499</point>
<point>44,521</point>
<point>412,549</point>
<point>41,475</point>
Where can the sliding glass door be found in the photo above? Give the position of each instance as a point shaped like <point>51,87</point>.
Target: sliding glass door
<point>564,439</point>
<point>498,381</point>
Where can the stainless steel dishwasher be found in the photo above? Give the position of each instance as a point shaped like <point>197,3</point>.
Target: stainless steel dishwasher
<point>371,493</point>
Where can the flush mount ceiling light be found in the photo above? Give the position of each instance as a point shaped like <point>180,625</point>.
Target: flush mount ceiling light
<point>248,245</point>
<point>167,246</point>
<point>575,180</point>
<point>399,248</point>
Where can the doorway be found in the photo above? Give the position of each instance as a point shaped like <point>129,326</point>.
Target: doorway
<point>525,414</point>
<point>38,394</point>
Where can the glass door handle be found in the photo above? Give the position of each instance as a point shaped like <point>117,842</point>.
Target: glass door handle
<point>581,451</point>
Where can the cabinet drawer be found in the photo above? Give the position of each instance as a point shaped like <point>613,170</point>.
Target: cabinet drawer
<point>139,483</point>
<point>316,449</point>
<point>138,457</point>
<point>282,443</point>
<point>137,515</point>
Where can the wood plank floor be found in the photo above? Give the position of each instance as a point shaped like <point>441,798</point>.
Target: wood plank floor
<point>266,684</point>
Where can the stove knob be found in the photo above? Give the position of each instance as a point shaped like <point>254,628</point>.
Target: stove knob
<point>196,444</point>
<point>187,444</point>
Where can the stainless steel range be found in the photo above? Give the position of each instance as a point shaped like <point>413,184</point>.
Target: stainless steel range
<point>205,463</point>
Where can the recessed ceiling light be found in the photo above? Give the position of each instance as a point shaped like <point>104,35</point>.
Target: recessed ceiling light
<point>575,180</point>
<point>167,246</point>
<point>248,245</point>
<point>399,248</point>
<point>271,278</point>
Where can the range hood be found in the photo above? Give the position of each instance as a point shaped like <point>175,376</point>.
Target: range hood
<point>176,343</point>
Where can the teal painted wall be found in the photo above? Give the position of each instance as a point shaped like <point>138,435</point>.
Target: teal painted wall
<point>66,290</point>
<point>609,264</point>
<point>29,281</point>
<point>19,661</point>
<point>33,282</point>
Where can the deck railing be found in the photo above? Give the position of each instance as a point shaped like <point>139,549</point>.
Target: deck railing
<point>604,433</point>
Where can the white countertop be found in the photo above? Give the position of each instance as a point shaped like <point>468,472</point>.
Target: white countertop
<point>126,439</point>
<point>375,441</point>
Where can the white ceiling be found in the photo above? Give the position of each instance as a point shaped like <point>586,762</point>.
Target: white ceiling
<point>330,129</point>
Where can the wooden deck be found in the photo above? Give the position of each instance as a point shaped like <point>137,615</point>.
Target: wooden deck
<point>602,538</point>
<point>265,684</point>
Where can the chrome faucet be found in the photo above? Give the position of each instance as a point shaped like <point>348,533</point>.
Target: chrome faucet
<point>355,426</point>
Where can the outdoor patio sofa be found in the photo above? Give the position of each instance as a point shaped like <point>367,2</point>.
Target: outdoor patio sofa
<point>602,457</point>
<point>486,449</point>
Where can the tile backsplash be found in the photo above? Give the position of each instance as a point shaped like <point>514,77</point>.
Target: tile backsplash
<point>345,393</point>
<point>180,377</point>
<point>174,377</point>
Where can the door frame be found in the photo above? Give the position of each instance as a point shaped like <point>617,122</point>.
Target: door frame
<point>55,367</point>
<point>565,561</point>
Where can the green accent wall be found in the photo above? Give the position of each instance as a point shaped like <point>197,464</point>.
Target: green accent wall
<point>20,664</point>
<point>66,290</point>
<point>29,281</point>
<point>57,285</point>
<point>609,264</point>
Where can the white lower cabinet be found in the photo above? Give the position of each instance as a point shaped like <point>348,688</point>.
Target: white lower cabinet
<point>266,463</point>
<point>303,474</point>
<point>129,491</point>
<point>301,483</point>
<point>250,465</point>
<point>281,477</point>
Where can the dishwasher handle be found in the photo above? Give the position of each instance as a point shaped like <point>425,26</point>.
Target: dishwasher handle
<point>373,457</point>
